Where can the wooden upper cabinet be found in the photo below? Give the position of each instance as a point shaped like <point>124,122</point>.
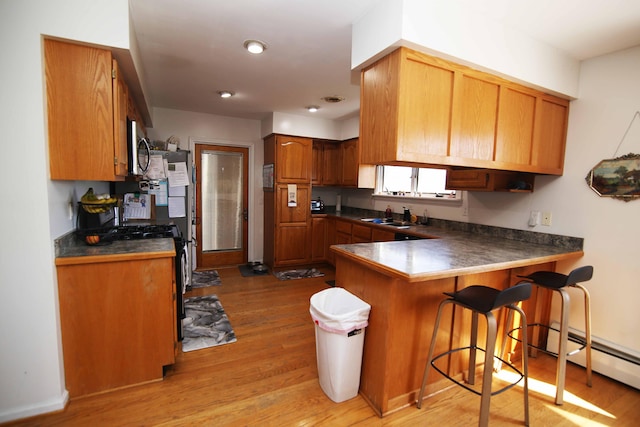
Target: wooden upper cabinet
<point>514,136</point>
<point>474,122</point>
<point>293,159</point>
<point>550,134</point>
<point>80,112</point>
<point>327,162</point>
<point>354,173</point>
<point>120,113</point>
<point>420,110</point>
<point>350,164</point>
<point>405,110</point>
<point>316,162</point>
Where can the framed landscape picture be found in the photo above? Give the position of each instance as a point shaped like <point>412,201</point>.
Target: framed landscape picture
<point>618,178</point>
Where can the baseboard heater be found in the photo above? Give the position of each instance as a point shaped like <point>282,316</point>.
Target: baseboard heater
<point>607,358</point>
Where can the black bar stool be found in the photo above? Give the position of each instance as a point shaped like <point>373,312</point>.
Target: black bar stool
<point>483,300</point>
<point>559,283</point>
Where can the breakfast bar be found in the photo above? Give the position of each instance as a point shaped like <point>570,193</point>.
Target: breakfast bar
<point>404,281</point>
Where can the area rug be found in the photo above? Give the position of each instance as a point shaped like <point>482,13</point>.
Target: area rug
<point>203,279</point>
<point>303,273</point>
<point>205,324</point>
<point>247,271</point>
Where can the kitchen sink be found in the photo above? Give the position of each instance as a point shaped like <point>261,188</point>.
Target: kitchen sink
<point>396,224</point>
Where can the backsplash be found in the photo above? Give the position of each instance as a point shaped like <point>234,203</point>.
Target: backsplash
<point>568,242</point>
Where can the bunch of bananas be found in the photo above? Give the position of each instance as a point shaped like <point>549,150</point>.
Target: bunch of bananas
<point>100,203</point>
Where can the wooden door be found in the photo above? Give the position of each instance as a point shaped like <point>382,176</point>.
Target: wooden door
<point>222,206</point>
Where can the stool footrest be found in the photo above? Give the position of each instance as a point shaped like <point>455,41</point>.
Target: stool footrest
<point>572,337</point>
<point>464,385</point>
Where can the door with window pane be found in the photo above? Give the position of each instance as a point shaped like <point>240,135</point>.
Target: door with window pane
<point>221,205</point>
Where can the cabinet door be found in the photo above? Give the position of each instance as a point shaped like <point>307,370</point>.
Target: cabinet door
<point>316,162</point>
<point>332,163</point>
<point>514,136</point>
<point>350,163</point>
<point>79,111</point>
<point>293,159</point>
<point>120,110</point>
<point>426,98</point>
<point>318,239</point>
<point>474,120</point>
<point>552,115</point>
<point>293,226</point>
<point>118,322</point>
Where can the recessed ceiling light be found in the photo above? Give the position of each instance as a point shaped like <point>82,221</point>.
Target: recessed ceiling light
<point>225,93</point>
<point>312,108</point>
<point>333,99</point>
<point>255,46</point>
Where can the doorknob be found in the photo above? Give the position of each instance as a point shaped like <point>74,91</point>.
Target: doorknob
<point>245,214</point>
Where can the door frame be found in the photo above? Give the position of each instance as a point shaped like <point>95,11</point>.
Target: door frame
<point>253,222</point>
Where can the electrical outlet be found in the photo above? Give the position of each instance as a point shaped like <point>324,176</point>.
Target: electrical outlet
<point>534,218</point>
<point>546,218</point>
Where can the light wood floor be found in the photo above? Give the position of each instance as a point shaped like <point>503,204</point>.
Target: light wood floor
<point>269,378</point>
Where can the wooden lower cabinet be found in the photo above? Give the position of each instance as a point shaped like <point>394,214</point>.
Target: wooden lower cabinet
<point>401,324</point>
<point>360,233</point>
<point>118,322</point>
<point>378,235</point>
<point>319,247</point>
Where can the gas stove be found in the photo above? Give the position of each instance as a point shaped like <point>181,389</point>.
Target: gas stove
<point>133,232</point>
<point>136,232</point>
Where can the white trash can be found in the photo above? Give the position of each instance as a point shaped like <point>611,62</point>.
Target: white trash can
<point>340,318</point>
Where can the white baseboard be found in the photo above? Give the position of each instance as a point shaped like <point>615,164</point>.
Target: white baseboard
<point>38,408</point>
<point>602,363</point>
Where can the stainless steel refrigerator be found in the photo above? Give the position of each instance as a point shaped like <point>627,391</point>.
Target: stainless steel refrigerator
<point>172,204</point>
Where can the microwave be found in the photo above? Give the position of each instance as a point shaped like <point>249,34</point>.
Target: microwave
<point>139,150</point>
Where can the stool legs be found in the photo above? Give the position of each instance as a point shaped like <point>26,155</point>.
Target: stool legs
<point>432,348</point>
<point>485,399</point>
<point>587,329</point>
<point>487,376</point>
<point>563,340</point>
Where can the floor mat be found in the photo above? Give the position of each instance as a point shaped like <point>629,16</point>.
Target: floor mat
<point>206,324</point>
<point>303,273</point>
<point>203,279</point>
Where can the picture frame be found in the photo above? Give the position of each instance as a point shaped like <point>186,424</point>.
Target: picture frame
<point>618,178</point>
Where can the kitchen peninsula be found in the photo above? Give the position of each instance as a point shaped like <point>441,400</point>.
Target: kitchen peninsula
<point>404,281</point>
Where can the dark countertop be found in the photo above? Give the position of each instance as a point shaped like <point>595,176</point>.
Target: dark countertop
<point>71,250</point>
<point>448,253</point>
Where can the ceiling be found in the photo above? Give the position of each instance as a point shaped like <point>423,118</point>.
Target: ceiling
<point>190,49</point>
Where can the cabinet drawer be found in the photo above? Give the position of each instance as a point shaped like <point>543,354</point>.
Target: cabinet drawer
<point>343,227</point>
<point>361,233</point>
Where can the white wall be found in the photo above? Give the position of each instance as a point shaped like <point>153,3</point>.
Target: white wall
<point>462,31</point>
<point>35,209</point>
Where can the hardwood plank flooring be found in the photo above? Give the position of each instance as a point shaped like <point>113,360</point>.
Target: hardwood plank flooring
<point>269,378</point>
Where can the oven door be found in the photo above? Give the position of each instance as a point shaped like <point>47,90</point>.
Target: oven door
<point>183,279</point>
